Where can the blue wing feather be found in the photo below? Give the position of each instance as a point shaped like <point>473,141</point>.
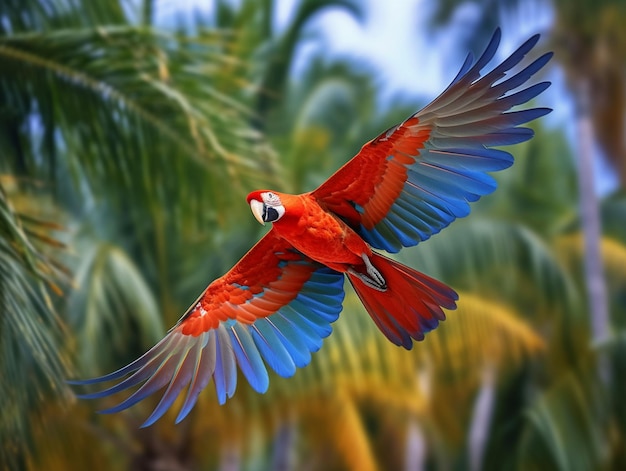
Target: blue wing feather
<point>180,379</point>
<point>249,358</point>
<point>283,341</point>
<point>449,171</point>
<point>201,376</point>
<point>273,348</point>
<point>291,339</point>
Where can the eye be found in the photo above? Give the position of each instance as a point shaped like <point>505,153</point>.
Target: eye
<point>271,199</point>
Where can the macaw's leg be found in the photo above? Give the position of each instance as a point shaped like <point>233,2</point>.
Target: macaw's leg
<point>372,277</point>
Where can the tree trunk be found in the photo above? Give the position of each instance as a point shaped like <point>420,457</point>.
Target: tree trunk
<point>230,457</point>
<point>594,272</point>
<point>416,447</point>
<point>284,455</point>
<point>481,418</point>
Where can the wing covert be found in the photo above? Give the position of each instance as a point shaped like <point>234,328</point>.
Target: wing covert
<point>274,307</point>
<point>417,177</point>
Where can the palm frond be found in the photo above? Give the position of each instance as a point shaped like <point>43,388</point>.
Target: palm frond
<point>281,48</point>
<point>613,210</point>
<point>567,427</point>
<point>112,310</point>
<point>541,189</point>
<point>149,112</point>
<point>337,422</point>
<point>32,362</point>
<point>319,125</point>
<point>504,260</point>
<point>571,249</point>
<point>35,15</point>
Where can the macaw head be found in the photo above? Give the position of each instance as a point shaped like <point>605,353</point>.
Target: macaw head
<point>266,206</point>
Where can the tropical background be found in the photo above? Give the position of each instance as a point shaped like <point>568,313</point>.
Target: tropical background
<point>131,131</point>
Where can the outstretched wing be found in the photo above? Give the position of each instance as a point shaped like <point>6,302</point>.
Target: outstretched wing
<point>416,178</point>
<point>276,305</point>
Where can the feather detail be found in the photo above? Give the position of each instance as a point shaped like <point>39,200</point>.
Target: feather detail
<point>279,325</point>
<point>410,307</point>
<point>417,177</point>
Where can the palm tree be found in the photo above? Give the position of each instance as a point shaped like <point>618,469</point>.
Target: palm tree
<point>30,330</point>
<point>272,49</point>
<point>103,110</point>
<point>89,135</point>
<point>590,48</point>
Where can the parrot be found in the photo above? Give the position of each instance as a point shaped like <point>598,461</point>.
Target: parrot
<point>275,307</point>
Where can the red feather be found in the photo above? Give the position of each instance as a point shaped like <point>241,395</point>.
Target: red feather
<point>411,304</point>
<point>233,296</point>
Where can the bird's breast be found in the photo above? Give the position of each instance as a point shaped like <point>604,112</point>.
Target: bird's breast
<point>323,237</point>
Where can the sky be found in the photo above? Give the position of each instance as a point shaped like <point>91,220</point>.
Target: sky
<point>411,58</point>
<point>394,37</point>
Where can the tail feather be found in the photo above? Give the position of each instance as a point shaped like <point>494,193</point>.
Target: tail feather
<point>410,307</point>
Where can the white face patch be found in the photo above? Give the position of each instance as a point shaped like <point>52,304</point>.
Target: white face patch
<point>271,199</point>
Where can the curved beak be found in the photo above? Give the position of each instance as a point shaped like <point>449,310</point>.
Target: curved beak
<point>257,210</point>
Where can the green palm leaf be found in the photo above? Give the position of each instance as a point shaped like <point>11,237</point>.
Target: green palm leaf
<point>112,310</point>
<point>125,122</point>
<point>567,427</point>
<point>30,332</point>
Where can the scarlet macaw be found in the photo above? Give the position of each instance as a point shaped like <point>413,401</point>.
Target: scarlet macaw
<point>278,302</point>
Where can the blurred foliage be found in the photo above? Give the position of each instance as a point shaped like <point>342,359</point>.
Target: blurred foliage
<point>30,331</point>
<point>590,44</point>
<point>125,155</point>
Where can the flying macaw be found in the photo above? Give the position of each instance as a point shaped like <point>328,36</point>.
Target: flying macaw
<point>277,304</point>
